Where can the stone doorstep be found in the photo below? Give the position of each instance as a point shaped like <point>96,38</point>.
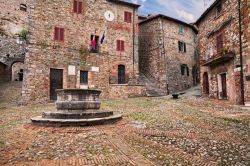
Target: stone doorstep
<point>75,122</point>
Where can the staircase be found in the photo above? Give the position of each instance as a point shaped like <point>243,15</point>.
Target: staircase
<point>151,88</point>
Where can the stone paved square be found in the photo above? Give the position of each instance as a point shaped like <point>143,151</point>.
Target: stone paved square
<point>154,131</point>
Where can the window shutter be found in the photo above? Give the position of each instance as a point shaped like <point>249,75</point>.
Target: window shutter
<point>61,34</point>
<point>179,45</point>
<point>75,6</point>
<point>79,7</point>
<point>125,16</point>
<point>129,17</point>
<point>185,49</point>
<point>122,46</point>
<point>56,35</point>
<point>118,45</point>
<point>219,43</point>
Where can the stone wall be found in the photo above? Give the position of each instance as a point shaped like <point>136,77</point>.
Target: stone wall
<point>126,91</point>
<point>159,54</point>
<point>210,27</point>
<point>45,53</point>
<point>246,45</point>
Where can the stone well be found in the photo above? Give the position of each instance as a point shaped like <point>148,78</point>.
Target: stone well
<point>76,107</point>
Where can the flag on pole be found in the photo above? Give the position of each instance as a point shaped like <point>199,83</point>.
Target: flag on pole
<point>93,42</point>
<point>103,37</point>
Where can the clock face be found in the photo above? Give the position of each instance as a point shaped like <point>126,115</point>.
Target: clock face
<point>109,16</point>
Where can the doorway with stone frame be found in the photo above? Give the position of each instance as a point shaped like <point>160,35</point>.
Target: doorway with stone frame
<point>222,86</point>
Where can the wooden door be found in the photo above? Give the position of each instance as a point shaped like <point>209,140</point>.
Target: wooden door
<point>224,86</point>
<point>121,74</point>
<point>56,82</point>
<point>205,83</point>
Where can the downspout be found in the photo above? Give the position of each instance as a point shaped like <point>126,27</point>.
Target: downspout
<point>241,57</point>
<point>133,42</point>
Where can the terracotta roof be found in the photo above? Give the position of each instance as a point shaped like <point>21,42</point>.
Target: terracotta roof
<point>167,18</point>
<point>125,3</point>
<point>207,11</point>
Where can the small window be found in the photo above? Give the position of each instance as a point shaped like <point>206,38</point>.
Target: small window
<point>23,7</point>
<point>195,38</point>
<point>120,46</point>
<point>218,10</point>
<point>83,77</point>
<point>94,46</point>
<point>127,17</point>
<point>77,7</point>
<point>183,67</point>
<point>59,34</point>
<point>181,29</point>
<point>182,46</point>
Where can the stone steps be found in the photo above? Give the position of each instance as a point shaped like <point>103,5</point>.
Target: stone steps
<point>82,115</point>
<point>74,122</point>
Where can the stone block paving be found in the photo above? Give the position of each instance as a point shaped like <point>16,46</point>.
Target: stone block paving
<point>154,132</point>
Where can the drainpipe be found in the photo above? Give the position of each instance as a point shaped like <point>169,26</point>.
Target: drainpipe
<point>133,41</point>
<point>241,56</point>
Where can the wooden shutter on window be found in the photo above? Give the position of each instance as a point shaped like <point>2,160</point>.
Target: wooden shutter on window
<point>56,35</point>
<point>118,45</point>
<point>219,43</point>
<point>179,45</point>
<point>122,46</point>
<point>79,7</point>
<point>75,6</point>
<point>129,17</point>
<point>61,34</point>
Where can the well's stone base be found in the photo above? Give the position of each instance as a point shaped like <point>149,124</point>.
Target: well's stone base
<point>75,122</point>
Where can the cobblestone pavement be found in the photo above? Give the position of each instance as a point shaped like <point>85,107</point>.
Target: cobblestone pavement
<point>154,131</point>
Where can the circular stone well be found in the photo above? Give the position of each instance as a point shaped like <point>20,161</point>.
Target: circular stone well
<point>76,107</point>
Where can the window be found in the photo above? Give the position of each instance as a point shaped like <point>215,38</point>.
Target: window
<point>219,43</point>
<point>218,10</point>
<point>195,38</point>
<point>23,7</point>
<point>59,34</point>
<point>77,7</point>
<point>120,46</point>
<point>127,17</point>
<point>184,70</point>
<point>181,29</point>
<point>83,77</point>
<point>121,74</point>
<point>94,47</point>
<point>182,46</point>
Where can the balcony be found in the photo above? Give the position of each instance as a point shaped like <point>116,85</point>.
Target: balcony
<point>221,57</point>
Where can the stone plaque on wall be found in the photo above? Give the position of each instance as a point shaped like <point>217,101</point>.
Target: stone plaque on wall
<point>71,70</point>
<point>95,69</point>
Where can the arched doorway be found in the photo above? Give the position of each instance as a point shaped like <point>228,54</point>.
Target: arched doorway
<point>121,74</point>
<point>205,83</point>
<point>17,71</point>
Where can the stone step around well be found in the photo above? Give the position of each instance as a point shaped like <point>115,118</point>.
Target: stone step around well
<point>82,115</point>
<point>74,122</point>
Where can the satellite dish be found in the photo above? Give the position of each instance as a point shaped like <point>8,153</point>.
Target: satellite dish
<point>109,16</point>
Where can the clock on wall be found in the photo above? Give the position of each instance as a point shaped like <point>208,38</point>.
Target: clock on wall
<point>109,16</point>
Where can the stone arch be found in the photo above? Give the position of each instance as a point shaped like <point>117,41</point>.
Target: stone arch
<point>17,71</point>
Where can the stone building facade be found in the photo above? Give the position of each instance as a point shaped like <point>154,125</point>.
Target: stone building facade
<point>220,50</point>
<point>13,23</point>
<point>67,48</point>
<point>168,53</point>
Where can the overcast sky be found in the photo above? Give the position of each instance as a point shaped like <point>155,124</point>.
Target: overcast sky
<point>185,10</point>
